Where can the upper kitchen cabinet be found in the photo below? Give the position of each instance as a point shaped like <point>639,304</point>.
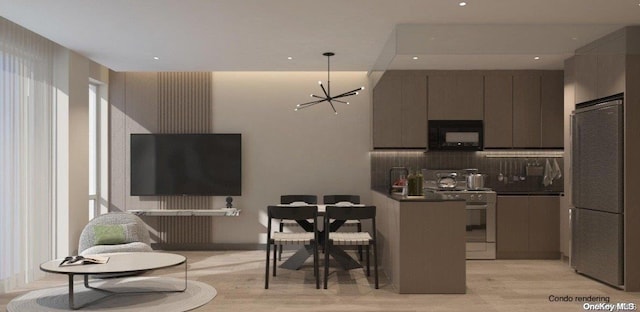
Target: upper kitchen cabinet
<point>456,95</point>
<point>586,66</point>
<point>387,117</point>
<point>552,109</point>
<point>611,66</point>
<point>498,109</point>
<point>523,109</point>
<point>400,110</point>
<point>526,109</point>
<point>600,68</point>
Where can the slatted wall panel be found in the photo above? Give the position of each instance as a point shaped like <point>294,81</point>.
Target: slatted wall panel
<point>185,106</point>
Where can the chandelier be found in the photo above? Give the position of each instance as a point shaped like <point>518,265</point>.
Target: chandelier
<point>327,92</point>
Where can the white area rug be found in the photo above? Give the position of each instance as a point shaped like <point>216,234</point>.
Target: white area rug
<point>57,299</point>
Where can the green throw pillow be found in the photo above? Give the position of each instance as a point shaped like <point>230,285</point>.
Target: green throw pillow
<point>109,234</point>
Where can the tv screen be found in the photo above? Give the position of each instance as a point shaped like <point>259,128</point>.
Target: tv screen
<point>186,164</point>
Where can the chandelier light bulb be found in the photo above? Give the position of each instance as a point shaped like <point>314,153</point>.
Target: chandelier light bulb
<point>357,93</point>
<point>347,103</point>
<point>319,82</point>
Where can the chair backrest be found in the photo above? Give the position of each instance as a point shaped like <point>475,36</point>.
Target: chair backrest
<point>288,199</point>
<point>87,237</point>
<point>292,212</point>
<point>334,199</point>
<point>350,213</point>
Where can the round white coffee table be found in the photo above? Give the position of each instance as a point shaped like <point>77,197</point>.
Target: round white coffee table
<point>119,263</point>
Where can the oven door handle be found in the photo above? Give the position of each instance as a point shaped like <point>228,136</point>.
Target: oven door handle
<point>477,207</point>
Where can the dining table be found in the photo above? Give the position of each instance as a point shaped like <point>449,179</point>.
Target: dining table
<point>296,261</point>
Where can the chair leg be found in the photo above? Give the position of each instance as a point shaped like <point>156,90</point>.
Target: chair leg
<point>326,262</point>
<point>275,249</point>
<point>359,225</point>
<point>368,270</point>
<point>316,271</point>
<point>266,276</point>
<point>375,263</point>
<point>281,230</point>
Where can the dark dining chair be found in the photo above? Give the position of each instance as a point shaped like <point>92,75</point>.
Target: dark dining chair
<point>345,213</point>
<point>281,238</point>
<point>353,199</point>
<point>288,199</point>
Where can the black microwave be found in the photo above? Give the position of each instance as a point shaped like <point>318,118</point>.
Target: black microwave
<point>455,135</point>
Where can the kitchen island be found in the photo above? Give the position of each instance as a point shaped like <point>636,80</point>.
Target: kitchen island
<point>422,242</point>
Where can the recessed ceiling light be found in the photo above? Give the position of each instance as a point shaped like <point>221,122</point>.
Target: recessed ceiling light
<point>289,57</point>
<point>415,57</point>
<point>462,4</point>
<point>536,58</point>
<point>156,58</point>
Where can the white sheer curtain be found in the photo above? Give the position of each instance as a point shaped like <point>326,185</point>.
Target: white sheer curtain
<point>27,143</point>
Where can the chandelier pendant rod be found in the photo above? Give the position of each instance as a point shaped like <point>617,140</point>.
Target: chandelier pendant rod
<point>328,73</point>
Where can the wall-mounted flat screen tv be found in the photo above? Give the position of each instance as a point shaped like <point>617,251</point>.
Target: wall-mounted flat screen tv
<point>186,164</point>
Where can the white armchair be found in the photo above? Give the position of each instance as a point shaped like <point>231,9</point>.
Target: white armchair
<point>135,236</point>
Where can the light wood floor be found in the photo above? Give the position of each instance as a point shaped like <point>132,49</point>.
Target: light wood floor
<point>500,285</point>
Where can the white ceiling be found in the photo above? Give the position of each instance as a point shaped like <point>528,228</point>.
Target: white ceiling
<point>259,35</point>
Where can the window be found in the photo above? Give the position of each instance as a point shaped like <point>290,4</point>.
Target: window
<point>98,157</point>
<point>94,152</point>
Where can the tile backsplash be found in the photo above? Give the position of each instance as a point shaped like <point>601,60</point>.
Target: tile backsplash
<point>509,163</point>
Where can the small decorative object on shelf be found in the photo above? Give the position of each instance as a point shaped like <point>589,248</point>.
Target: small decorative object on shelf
<point>229,200</point>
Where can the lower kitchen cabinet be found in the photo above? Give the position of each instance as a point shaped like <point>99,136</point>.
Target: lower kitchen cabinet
<point>528,227</point>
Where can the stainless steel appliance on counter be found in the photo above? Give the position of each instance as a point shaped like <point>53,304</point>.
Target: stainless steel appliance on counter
<point>480,208</point>
<point>597,219</point>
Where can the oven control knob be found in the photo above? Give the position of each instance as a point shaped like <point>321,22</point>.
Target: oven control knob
<point>480,196</point>
<point>473,197</point>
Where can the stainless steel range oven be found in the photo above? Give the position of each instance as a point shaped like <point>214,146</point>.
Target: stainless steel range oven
<point>481,217</point>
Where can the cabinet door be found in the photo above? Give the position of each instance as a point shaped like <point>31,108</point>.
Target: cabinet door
<point>610,77</point>
<point>526,109</point>
<point>456,96</point>
<point>544,224</point>
<point>498,110</point>
<point>414,110</point>
<point>441,89</point>
<point>552,109</point>
<point>387,114</point>
<point>469,94</point>
<point>586,67</point>
<point>512,226</point>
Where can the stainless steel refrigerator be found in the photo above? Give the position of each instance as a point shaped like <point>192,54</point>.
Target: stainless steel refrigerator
<point>597,218</point>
